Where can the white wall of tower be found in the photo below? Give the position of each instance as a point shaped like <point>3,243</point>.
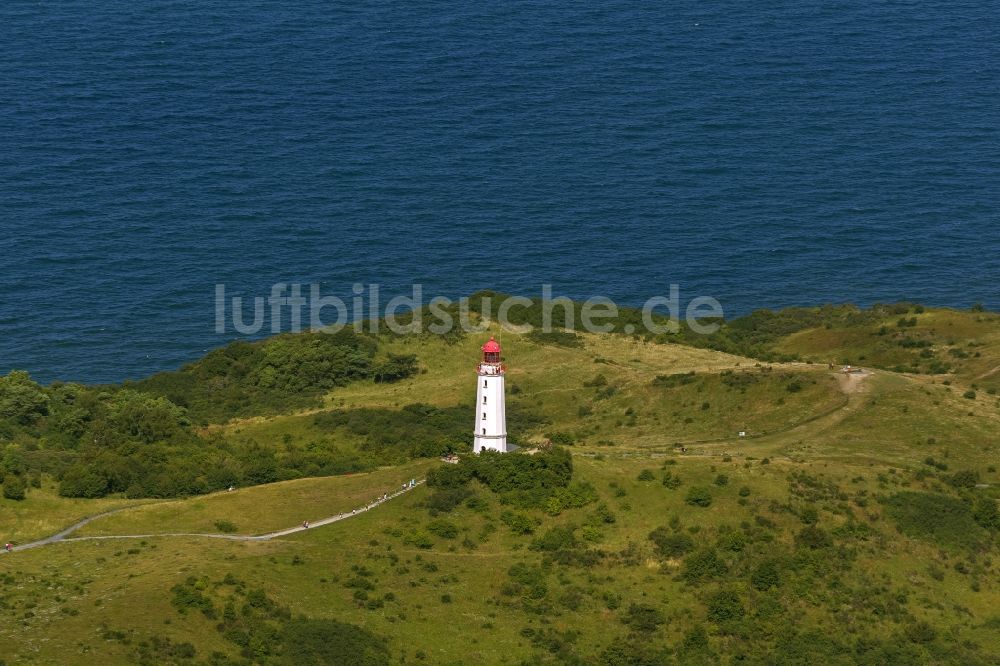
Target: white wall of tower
<point>491,412</point>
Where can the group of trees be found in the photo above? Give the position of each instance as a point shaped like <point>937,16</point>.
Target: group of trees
<point>265,632</point>
<point>280,373</point>
<point>522,480</point>
<point>140,439</point>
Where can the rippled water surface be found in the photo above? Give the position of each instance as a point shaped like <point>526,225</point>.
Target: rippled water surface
<point>767,154</point>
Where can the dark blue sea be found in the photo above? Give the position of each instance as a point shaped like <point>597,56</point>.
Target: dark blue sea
<point>766,154</point>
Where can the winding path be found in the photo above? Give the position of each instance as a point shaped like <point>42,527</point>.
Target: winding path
<point>64,534</point>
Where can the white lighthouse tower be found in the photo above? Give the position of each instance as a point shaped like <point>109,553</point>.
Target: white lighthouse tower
<point>491,414</point>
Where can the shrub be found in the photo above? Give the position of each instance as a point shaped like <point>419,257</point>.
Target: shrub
<point>920,632</point>
<point>939,518</point>
<point>449,476</point>
<point>555,538</point>
<point>813,537</point>
<point>984,512</point>
<point>671,481</point>
<point>646,475</point>
<point>518,523</point>
<point>698,496</point>
<point>675,380</point>
<point>744,491</point>
<point>561,438</point>
<point>809,515</point>
<point>725,606</point>
<point>445,499</point>
<point>419,539</point>
<point>225,526</point>
<point>964,479</point>
<point>969,395</point>
<point>669,543</point>
<point>14,487</point>
<point>443,528</point>
<point>643,618</point>
<point>765,576</point>
<point>702,565</point>
<point>308,641</point>
<point>721,480</point>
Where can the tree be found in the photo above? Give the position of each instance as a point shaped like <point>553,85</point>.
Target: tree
<point>14,487</point>
<point>21,400</point>
<point>145,418</point>
<point>81,481</point>
<point>396,367</point>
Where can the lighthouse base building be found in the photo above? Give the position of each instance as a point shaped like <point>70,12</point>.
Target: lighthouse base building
<point>491,413</point>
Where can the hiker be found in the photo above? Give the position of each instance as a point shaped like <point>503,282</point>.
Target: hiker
<point>8,546</point>
<point>305,524</point>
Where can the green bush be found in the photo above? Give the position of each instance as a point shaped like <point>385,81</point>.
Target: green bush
<point>556,538</point>
<point>945,520</point>
<point>725,606</point>
<point>225,526</point>
<point>14,487</point>
<point>446,499</point>
<point>518,523</point>
<point>669,543</point>
<point>765,576</point>
<point>315,642</point>
<point>671,481</point>
<point>698,496</point>
<point>964,479</point>
<point>703,565</point>
<point>643,618</point>
<point>813,537</point>
<point>443,528</point>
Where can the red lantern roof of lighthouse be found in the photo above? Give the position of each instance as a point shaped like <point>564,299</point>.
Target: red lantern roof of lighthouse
<point>492,346</point>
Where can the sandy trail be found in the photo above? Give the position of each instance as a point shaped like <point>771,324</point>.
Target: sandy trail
<point>64,535</point>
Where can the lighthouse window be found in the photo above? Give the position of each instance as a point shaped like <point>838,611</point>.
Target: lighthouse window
<point>484,416</point>
<point>484,399</point>
<point>484,431</point>
<point>485,384</point>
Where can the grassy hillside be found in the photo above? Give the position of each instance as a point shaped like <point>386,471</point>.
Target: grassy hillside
<point>855,522</point>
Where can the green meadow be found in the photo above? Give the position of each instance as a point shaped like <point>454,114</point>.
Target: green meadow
<point>853,522</point>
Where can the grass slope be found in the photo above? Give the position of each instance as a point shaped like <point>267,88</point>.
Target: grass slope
<point>855,496</point>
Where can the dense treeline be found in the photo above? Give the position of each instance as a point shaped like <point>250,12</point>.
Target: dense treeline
<point>278,374</point>
<point>140,440</point>
<point>419,430</point>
